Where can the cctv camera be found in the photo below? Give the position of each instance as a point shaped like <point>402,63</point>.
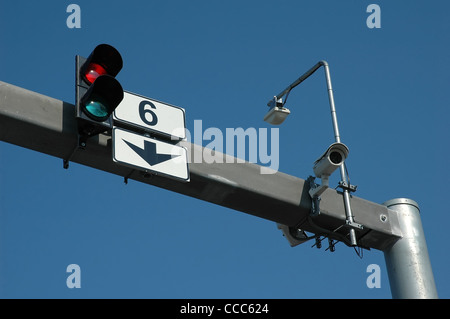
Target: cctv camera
<point>277,113</point>
<point>325,165</point>
<point>334,156</point>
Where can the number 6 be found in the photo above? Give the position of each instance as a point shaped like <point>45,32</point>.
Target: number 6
<point>143,112</point>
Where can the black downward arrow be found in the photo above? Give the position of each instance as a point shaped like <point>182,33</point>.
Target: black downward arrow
<point>149,154</point>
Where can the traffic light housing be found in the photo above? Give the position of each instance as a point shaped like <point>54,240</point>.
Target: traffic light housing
<point>98,93</point>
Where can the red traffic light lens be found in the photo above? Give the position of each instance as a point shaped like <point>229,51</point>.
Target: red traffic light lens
<point>93,71</point>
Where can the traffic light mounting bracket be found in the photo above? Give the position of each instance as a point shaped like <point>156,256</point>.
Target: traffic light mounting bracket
<point>81,145</point>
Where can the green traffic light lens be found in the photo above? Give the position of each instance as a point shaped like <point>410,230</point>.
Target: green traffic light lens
<point>97,109</point>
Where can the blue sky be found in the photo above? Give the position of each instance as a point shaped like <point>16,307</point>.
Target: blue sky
<point>222,61</point>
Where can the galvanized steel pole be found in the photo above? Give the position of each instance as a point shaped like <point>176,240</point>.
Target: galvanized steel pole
<point>407,260</point>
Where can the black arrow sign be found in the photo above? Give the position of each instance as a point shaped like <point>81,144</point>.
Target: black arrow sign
<point>149,154</point>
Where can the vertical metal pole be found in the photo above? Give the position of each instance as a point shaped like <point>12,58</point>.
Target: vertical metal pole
<point>407,261</point>
<point>346,194</point>
<point>337,136</point>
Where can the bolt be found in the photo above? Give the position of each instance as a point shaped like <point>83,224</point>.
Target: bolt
<point>383,218</point>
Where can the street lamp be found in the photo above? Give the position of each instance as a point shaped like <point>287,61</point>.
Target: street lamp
<point>278,113</point>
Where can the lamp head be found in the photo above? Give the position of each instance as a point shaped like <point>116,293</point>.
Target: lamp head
<point>277,113</point>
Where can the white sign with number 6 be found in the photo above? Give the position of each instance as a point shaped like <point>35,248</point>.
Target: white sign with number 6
<point>152,116</point>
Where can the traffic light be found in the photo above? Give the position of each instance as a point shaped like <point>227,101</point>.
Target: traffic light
<point>98,93</point>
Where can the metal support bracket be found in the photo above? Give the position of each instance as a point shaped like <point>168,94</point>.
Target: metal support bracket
<point>331,245</point>
<point>344,186</point>
<point>125,178</point>
<point>315,209</point>
<point>81,144</point>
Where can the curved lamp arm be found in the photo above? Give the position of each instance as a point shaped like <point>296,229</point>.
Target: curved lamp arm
<point>306,75</point>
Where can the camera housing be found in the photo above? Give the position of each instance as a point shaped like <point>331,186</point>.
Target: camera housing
<point>325,165</point>
<point>333,157</point>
